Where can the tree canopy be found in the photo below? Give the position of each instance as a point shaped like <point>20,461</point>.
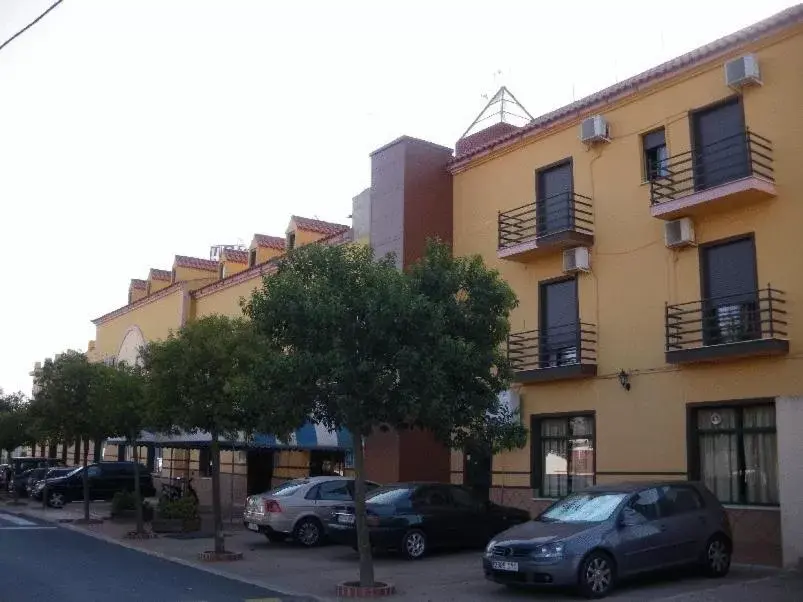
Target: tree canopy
<point>372,346</point>
<point>16,428</point>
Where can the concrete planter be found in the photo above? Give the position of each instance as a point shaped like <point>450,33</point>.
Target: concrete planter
<point>176,525</point>
<point>353,589</point>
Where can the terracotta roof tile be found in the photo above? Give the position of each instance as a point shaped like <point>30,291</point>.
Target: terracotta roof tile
<point>155,274</point>
<point>697,56</point>
<point>137,283</point>
<point>271,242</point>
<point>316,225</point>
<point>195,263</point>
<point>235,255</point>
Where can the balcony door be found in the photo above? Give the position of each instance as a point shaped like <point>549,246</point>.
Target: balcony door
<point>558,323</point>
<point>553,206</point>
<point>720,144</point>
<point>731,311</point>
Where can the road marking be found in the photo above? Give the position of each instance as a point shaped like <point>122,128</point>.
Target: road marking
<point>16,520</point>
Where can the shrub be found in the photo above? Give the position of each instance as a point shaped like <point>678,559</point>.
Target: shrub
<point>185,508</point>
<point>122,501</point>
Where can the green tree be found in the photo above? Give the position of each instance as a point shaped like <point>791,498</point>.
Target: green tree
<point>16,426</point>
<point>127,414</point>
<point>371,346</point>
<point>71,405</point>
<point>200,380</point>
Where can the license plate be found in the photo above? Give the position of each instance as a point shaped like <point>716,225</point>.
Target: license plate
<point>501,565</point>
<point>253,527</point>
<point>345,519</point>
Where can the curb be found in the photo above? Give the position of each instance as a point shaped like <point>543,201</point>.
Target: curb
<point>207,569</point>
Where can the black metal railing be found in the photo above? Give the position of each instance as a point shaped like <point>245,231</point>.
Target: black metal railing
<point>749,316</point>
<point>731,158</point>
<point>567,211</point>
<point>565,345</point>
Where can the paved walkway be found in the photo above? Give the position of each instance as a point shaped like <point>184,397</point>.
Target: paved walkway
<point>441,578</point>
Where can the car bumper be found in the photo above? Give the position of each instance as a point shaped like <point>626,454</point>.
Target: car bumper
<point>384,538</point>
<point>526,572</point>
<point>267,523</point>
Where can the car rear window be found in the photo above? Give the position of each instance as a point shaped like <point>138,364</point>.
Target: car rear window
<point>388,495</point>
<point>289,488</point>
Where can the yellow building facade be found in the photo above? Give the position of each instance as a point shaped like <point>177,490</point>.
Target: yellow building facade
<point>650,233</point>
<point>197,287</point>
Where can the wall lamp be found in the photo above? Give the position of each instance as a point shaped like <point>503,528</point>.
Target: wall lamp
<point>624,379</point>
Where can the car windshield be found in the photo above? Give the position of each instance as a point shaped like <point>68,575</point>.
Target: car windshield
<point>583,508</point>
<point>388,495</point>
<point>289,488</point>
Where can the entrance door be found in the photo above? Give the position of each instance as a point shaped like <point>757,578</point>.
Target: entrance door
<point>553,207</point>
<point>559,324</point>
<point>477,473</point>
<point>720,145</point>
<point>259,466</point>
<point>730,308</point>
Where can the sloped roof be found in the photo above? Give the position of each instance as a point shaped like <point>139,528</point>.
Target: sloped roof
<point>235,255</point>
<point>155,274</point>
<point>319,226</point>
<point>270,242</point>
<point>136,283</point>
<point>195,263</point>
<point>769,26</point>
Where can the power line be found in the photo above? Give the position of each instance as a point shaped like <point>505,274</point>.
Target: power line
<point>29,25</point>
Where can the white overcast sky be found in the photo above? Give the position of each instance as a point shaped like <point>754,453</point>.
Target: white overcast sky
<point>133,130</point>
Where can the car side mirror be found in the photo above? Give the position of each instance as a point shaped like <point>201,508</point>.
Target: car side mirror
<point>631,518</point>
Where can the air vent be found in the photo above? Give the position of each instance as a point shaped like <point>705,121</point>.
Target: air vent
<point>594,129</point>
<point>742,72</point>
<point>577,259</point>
<point>679,233</point>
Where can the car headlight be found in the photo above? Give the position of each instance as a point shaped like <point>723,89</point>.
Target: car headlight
<point>490,546</point>
<point>548,551</point>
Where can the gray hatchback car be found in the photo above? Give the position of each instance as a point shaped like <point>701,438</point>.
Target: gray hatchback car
<point>594,537</point>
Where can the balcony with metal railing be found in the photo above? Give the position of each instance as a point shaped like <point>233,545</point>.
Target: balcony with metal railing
<point>557,353</point>
<point>735,326</point>
<point>557,222</point>
<point>729,173</point>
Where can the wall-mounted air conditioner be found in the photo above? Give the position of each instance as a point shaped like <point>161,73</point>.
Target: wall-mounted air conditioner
<point>742,71</point>
<point>679,233</point>
<point>577,259</point>
<point>594,129</point>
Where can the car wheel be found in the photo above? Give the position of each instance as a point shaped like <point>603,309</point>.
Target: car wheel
<point>308,532</point>
<point>414,544</point>
<point>717,561</point>
<point>597,575</point>
<point>55,499</point>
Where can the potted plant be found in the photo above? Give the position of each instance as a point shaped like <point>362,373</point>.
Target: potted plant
<point>177,516</point>
<point>123,507</point>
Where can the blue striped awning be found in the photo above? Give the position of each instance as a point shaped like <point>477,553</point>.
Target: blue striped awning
<point>309,436</point>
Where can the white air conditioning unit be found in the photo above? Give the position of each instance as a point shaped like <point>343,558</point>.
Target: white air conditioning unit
<point>679,233</point>
<point>594,129</point>
<point>742,72</point>
<point>577,259</point>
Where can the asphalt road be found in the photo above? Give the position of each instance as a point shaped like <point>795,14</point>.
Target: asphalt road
<point>40,562</point>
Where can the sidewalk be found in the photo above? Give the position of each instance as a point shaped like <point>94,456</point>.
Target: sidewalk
<point>441,578</point>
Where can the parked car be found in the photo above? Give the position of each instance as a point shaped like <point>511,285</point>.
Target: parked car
<point>18,483</point>
<point>416,517</point>
<point>5,471</point>
<point>592,539</point>
<point>105,479</point>
<point>19,465</point>
<point>46,474</point>
<point>299,508</point>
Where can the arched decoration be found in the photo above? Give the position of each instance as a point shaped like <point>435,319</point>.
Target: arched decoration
<point>133,341</point>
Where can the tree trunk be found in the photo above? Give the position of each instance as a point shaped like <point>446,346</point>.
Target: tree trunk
<point>363,537</point>
<point>137,489</point>
<point>86,477</point>
<point>217,514</point>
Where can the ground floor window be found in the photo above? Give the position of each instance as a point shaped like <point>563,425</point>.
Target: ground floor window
<point>326,463</point>
<point>563,457</point>
<point>735,452</point>
<point>205,462</point>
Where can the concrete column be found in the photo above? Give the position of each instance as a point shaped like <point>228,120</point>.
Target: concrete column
<point>789,420</point>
